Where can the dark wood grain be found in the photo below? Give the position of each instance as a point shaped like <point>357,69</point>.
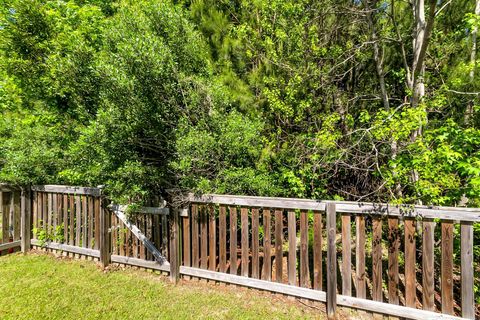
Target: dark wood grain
<point>212,239</point>
<point>233,240</point>
<point>317,251</point>
<point>195,244</point>
<point>245,245</point>
<point>360,257</point>
<point>255,245</point>
<point>278,245</point>
<point>292,248</point>
<point>346,255</point>
<point>377,259</point>
<point>222,225</point>
<point>267,250</point>
<point>447,267</point>
<point>393,249</point>
<point>428,285</point>
<point>331,261</point>
<point>410,261</point>
<point>304,270</point>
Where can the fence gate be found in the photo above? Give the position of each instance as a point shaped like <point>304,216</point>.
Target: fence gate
<point>76,221</point>
<point>141,237</point>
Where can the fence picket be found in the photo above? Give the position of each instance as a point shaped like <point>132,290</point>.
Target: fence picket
<point>304,271</point>
<point>317,251</point>
<point>377,259</point>
<point>222,226</point>
<point>195,237</point>
<point>267,251</point>
<point>212,241</point>
<point>54,212</point>
<point>164,225</point>
<point>96,208</point>
<point>233,240</point>
<point>346,255</point>
<point>4,200</point>
<point>428,270</point>
<point>360,257</point>
<point>78,222</point>
<point>203,238</point>
<point>59,198</point>
<point>292,248</point>
<point>91,221</point>
<point>49,213</point>
<point>114,234</point>
<point>84,222</point>
<point>393,247</point>
<point>447,267</point>
<point>122,236</point>
<point>278,245</point>
<point>34,213</point>
<point>71,214</point>
<point>187,261</point>
<point>255,245</point>
<point>331,261</point>
<point>410,279</point>
<point>16,215</point>
<point>245,248</point>
<point>45,211</point>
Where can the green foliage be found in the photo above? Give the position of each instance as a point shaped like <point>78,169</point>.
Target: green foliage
<point>45,234</point>
<point>272,98</point>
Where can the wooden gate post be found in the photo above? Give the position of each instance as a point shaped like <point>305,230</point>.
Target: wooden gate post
<point>331,261</point>
<point>25,227</point>
<point>175,246</point>
<point>105,255</point>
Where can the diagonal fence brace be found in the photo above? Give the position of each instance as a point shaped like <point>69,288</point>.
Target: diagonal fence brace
<point>120,213</point>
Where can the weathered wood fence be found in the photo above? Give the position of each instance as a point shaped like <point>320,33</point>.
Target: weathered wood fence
<point>386,259</point>
<point>10,220</point>
<point>375,257</point>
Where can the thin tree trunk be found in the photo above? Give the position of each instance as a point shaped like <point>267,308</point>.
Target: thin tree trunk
<point>378,57</point>
<point>473,54</point>
<point>473,59</point>
<point>423,30</point>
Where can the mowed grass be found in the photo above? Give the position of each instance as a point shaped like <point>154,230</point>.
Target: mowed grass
<point>39,286</point>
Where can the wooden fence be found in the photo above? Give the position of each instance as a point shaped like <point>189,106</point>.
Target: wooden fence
<point>10,220</point>
<point>385,259</point>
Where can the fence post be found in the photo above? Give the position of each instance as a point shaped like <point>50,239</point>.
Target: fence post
<point>104,234</point>
<point>331,261</point>
<point>25,227</point>
<point>175,247</point>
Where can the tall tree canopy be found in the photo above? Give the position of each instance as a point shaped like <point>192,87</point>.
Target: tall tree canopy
<point>357,100</point>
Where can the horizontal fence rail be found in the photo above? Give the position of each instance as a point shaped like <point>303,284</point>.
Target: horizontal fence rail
<point>432,212</point>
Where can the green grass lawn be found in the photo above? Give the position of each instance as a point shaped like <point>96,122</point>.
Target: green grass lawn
<point>39,286</point>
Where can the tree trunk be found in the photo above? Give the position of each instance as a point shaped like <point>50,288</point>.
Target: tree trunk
<point>421,39</point>
<point>378,58</point>
<point>473,58</point>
